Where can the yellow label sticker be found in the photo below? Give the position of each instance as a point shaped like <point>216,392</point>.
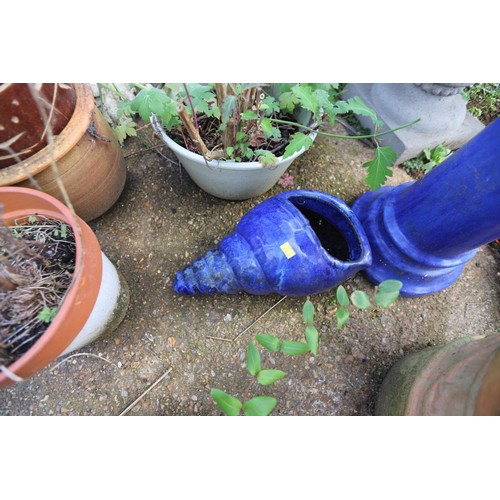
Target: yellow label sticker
<point>287,249</point>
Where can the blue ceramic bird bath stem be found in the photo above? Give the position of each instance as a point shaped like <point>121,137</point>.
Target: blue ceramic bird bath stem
<point>295,243</point>
<point>422,233</point>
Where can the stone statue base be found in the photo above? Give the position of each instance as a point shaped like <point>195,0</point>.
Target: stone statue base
<point>441,108</point>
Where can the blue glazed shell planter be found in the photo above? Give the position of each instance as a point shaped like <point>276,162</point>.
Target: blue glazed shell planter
<point>295,243</point>
<point>228,180</point>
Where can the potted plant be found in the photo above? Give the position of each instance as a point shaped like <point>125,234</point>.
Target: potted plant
<point>236,140</point>
<point>84,152</point>
<point>65,261</point>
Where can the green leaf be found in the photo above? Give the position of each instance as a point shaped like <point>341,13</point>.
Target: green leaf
<point>388,292</point>
<point>292,348</point>
<point>269,342</point>
<point>389,286</point>
<point>298,142</point>
<point>306,98</point>
<point>249,115</point>
<point>308,312</point>
<point>203,99</point>
<point>149,101</point>
<point>64,231</point>
<point>266,158</point>
<point>253,359</point>
<point>269,105</point>
<point>342,317</point>
<point>228,106</point>
<point>47,314</point>
<point>260,406</point>
<point>270,132</point>
<point>360,299</point>
<point>288,101</point>
<point>312,338</point>
<point>377,168</point>
<point>125,129</point>
<point>230,405</point>
<point>268,377</point>
<point>342,297</point>
<point>358,107</point>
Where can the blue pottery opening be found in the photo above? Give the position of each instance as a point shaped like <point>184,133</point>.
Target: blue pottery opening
<point>335,233</point>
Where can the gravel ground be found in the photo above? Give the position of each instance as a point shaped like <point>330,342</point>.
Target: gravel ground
<point>160,224</point>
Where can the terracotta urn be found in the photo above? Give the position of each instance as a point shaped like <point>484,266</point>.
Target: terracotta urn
<point>87,156</point>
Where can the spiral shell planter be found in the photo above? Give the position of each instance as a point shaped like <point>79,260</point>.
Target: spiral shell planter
<point>295,243</point>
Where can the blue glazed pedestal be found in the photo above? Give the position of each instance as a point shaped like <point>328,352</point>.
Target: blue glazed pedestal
<point>295,243</point>
<point>422,233</point>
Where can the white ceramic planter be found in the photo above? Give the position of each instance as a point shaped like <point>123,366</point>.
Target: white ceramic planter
<point>229,180</point>
<point>109,309</point>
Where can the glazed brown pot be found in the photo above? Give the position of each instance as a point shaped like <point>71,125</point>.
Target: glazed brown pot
<point>461,378</point>
<point>82,294</point>
<point>89,160</point>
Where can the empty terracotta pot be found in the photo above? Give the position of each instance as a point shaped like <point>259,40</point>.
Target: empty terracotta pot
<point>461,378</point>
<point>96,301</point>
<point>88,156</point>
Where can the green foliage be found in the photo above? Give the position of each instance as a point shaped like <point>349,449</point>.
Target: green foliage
<point>230,405</point>
<point>292,348</point>
<point>269,342</point>
<point>256,111</point>
<point>428,159</point>
<point>253,359</point>
<point>483,101</point>
<point>386,293</point>
<point>260,406</point>
<point>47,314</point>
<point>264,405</point>
<point>378,168</point>
<point>268,377</point>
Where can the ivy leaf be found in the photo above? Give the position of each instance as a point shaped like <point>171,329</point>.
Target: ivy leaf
<point>298,142</point>
<point>342,297</point>
<point>342,317</point>
<point>253,359</point>
<point>306,98</point>
<point>378,170</point>
<point>291,348</point>
<point>312,338</point>
<point>268,377</point>
<point>230,405</point>
<point>269,342</point>
<point>266,158</point>
<point>360,299</point>
<point>288,101</point>
<point>308,312</point>
<point>260,406</point>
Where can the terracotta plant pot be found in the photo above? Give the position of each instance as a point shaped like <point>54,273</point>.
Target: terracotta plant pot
<point>461,378</point>
<point>96,301</point>
<point>88,156</point>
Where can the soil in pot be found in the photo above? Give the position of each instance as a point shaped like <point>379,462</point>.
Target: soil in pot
<point>36,269</point>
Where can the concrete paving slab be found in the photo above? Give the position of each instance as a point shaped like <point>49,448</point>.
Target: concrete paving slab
<point>160,224</point>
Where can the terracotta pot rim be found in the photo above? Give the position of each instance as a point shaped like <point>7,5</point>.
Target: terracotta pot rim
<point>69,311</point>
<point>63,143</point>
